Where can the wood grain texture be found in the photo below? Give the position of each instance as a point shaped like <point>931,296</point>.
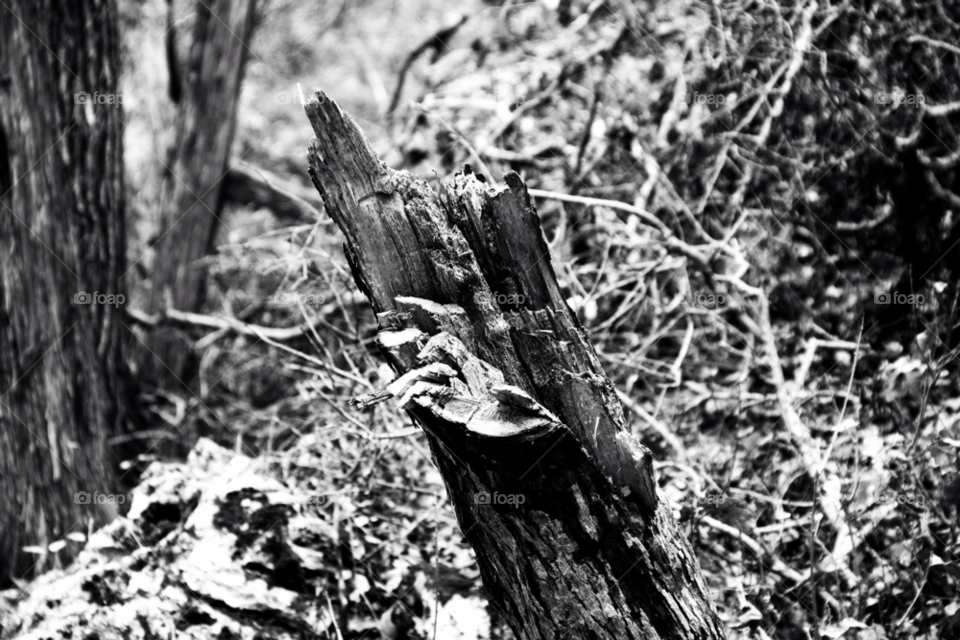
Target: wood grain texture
<point>463,279</point>
<point>63,387</point>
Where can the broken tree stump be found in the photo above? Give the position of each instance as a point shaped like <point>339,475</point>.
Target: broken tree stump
<point>554,493</point>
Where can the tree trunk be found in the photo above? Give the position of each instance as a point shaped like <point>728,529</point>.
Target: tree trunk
<point>63,388</point>
<point>556,496</point>
<point>192,194</point>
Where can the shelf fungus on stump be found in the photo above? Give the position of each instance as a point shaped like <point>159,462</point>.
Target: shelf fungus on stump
<point>554,493</point>
<point>471,404</point>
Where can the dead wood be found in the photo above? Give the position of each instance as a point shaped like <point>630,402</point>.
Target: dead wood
<point>555,494</point>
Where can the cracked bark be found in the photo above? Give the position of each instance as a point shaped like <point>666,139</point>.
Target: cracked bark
<point>64,388</point>
<point>499,373</point>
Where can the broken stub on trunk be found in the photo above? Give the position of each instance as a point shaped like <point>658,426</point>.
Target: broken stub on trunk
<point>555,494</point>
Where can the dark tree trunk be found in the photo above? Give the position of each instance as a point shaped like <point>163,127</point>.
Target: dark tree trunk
<point>556,496</point>
<point>209,91</point>
<point>62,380</point>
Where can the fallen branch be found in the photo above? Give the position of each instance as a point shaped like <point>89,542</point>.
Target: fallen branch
<point>271,335</point>
<point>800,434</point>
<point>220,323</point>
<point>668,238</point>
<point>864,225</point>
<point>249,185</point>
<point>776,565</point>
<point>437,41</point>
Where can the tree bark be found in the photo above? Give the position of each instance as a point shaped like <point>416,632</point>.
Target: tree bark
<point>556,496</point>
<point>192,195</point>
<point>63,388</point>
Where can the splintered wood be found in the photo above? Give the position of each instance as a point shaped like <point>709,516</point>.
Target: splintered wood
<point>557,498</point>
